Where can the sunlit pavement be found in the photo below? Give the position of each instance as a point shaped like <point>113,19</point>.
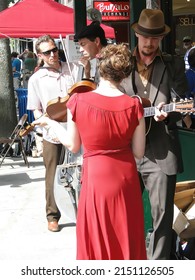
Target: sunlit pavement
<point>23,227</point>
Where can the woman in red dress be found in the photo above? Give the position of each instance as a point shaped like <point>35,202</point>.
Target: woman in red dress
<point>111,127</point>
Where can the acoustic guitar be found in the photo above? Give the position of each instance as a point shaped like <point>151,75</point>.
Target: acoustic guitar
<point>56,108</point>
<point>183,106</point>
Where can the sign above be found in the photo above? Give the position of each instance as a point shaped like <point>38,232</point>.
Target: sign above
<point>113,11</point>
<point>72,48</point>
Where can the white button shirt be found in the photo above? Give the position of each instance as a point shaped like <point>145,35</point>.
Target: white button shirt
<point>47,84</point>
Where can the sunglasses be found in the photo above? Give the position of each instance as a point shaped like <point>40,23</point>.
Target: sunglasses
<point>46,53</point>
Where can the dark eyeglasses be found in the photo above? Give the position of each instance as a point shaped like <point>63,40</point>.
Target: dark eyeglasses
<point>46,53</point>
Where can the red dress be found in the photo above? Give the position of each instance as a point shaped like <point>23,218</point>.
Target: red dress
<point>110,221</point>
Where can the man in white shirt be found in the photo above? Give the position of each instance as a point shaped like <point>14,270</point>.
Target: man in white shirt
<point>49,82</point>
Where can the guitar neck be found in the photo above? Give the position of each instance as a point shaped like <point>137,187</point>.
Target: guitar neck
<point>150,111</point>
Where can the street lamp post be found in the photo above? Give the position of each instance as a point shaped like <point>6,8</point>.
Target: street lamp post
<point>166,7</point>
<point>80,15</point>
<point>168,44</point>
<point>153,4</point>
<point>135,10</point>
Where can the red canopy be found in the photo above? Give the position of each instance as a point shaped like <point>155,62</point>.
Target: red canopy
<point>34,18</point>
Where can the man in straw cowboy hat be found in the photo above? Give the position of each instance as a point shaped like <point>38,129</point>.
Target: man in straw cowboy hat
<point>187,45</point>
<point>155,77</point>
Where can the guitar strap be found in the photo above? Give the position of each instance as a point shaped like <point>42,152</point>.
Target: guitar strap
<point>133,77</point>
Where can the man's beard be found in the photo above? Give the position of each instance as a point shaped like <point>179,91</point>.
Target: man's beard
<point>147,54</point>
<point>151,52</point>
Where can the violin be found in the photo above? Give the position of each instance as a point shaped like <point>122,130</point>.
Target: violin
<point>82,86</point>
<point>28,127</point>
<point>56,108</point>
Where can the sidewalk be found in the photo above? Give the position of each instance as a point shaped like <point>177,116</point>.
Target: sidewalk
<point>25,242</point>
<point>23,228</point>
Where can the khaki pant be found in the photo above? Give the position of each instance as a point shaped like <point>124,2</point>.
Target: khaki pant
<point>52,155</point>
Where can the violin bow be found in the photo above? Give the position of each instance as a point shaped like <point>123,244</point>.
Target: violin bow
<point>67,59</point>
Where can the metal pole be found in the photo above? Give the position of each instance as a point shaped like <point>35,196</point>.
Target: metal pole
<point>166,7</point>
<point>80,15</point>
<point>135,9</point>
<point>168,43</point>
<point>153,4</point>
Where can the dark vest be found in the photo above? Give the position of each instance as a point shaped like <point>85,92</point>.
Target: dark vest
<point>139,88</point>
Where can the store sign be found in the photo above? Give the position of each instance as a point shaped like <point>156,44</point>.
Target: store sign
<point>185,21</point>
<point>113,11</point>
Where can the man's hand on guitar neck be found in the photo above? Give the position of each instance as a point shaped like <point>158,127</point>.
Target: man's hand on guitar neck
<point>160,115</point>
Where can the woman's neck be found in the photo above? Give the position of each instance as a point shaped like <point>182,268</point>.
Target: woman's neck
<point>108,88</point>
<point>110,84</point>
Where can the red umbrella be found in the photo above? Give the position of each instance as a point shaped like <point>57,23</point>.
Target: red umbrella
<point>34,18</point>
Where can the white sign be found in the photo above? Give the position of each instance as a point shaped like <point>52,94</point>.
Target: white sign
<point>72,48</point>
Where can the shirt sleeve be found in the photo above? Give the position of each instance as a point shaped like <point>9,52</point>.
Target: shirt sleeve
<point>139,109</point>
<point>33,100</point>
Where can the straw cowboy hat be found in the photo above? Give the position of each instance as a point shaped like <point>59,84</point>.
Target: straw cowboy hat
<point>187,39</point>
<point>151,23</point>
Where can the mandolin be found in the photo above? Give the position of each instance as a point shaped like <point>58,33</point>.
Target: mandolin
<point>56,108</point>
